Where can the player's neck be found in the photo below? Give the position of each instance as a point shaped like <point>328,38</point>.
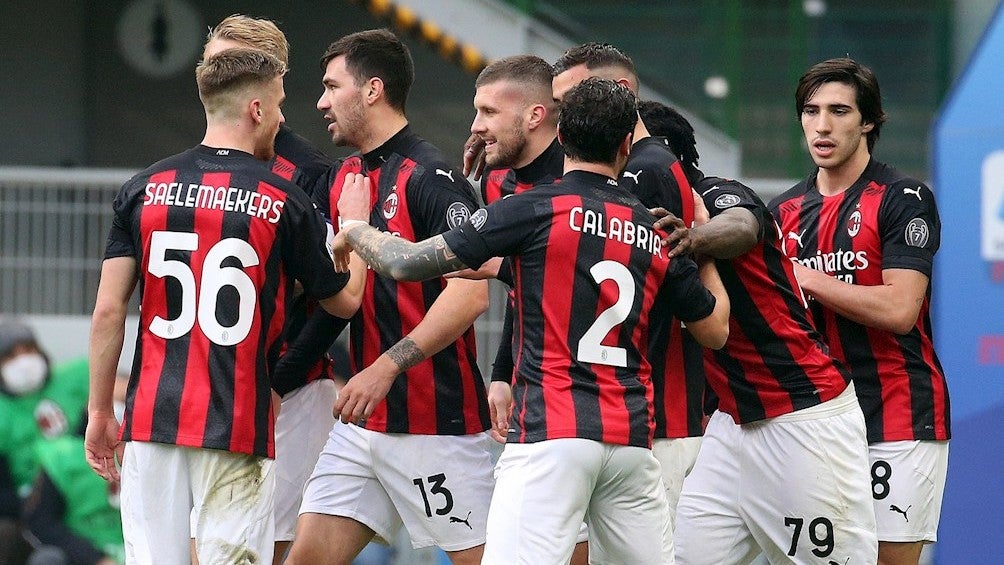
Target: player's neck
<point>382,126</point>
<point>640,131</point>
<point>831,181</point>
<point>535,147</point>
<point>229,137</point>
<point>605,169</point>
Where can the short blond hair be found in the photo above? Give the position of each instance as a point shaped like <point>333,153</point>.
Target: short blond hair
<point>255,33</point>
<point>232,72</point>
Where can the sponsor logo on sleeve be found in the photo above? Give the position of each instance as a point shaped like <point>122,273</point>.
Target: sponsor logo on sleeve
<point>917,233</point>
<point>726,201</point>
<point>457,214</point>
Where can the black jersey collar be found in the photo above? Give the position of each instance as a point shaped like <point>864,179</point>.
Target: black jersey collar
<point>543,166</point>
<point>398,143</point>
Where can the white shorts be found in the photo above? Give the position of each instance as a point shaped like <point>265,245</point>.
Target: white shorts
<point>676,457</point>
<point>790,486</point>
<point>545,490</point>
<point>300,433</point>
<point>908,483</point>
<point>439,487</point>
<point>161,484</point>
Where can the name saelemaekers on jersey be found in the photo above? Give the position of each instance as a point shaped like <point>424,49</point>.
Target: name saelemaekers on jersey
<point>223,198</point>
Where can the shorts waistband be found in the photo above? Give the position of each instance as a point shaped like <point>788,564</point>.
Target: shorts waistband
<point>842,403</point>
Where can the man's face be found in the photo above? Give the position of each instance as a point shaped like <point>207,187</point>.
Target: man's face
<point>501,122</point>
<point>342,104</point>
<point>832,125</point>
<point>272,97</point>
<point>567,79</point>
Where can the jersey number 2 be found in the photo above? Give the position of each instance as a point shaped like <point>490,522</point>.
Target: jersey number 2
<point>201,305</point>
<point>591,350</point>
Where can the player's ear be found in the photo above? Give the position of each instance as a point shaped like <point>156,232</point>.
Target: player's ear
<point>867,127</point>
<point>254,110</point>
<point>536,115</point>
<point>373,89</point>
<point>625,146</point>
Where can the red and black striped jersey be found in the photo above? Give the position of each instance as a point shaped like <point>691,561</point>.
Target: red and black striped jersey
<point>416,195</point>
<point>218,241</point>
<point>304,356</point>
<point>656,177</point>
<point>588,270</point>
<point>491,184</point>
<point>885,220</point>
<point>546,168</point>
<point>774,362</point>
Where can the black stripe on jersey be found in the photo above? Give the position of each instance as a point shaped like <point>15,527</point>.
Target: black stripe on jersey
<point>167,404</point>
<point>866,378</point>
<point>637,404</point>
<point>587,406</point>
<point>747,401</point>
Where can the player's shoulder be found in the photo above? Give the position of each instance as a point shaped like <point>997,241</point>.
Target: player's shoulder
<point>797,191</point>
<point>651,152</point>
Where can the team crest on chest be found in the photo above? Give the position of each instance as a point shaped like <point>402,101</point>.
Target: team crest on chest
<point>854,223</point>
<point>390,205</point>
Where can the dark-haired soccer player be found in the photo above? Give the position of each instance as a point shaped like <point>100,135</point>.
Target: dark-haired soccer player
<point>865,236</point>
<point>779,469</point>
<point>215,240</point>
<point>422,456</point>
<point>588,270</point>
<point>654,174</point>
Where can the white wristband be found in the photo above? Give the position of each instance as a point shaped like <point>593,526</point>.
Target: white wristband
<point>342,224</point>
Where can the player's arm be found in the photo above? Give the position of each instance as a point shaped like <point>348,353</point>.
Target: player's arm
<point>712,331</point>
<point>400,259</point>
<point>891,306</point>
<point>729,234</point>
<point>118,279</point>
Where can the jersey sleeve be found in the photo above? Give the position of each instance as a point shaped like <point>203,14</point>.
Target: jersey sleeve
<point>725,194</point>
<point>306,252</point>
<point>120,242</point>
<point>689,299</point>
<point>503,366</point>
<point>909,226</point>
<point>440,199</point>
<point>500,230</point>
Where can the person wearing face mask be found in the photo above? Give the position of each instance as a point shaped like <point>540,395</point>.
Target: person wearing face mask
<point>37,401</point>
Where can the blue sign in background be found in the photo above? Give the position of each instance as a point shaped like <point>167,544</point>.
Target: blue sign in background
<point>969,302</point>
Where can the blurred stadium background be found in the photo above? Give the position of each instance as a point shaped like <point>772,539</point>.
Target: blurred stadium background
<point>94,91</point>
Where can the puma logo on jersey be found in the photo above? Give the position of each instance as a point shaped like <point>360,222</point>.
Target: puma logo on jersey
<point>634,176</point>
<point>797,237</point>
<point>448,175</point>
<point>455,520</point>
<point>913,191</point>
<point>895,508</point>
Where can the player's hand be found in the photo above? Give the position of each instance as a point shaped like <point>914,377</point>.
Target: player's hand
<point>474,156</point>
<point>489,270</point>
<point>500,409</point>
<point>360,396</point>
<point>677,240</point>
<point>101,445</point>
<point>355,200</point>
<point>341,252</point>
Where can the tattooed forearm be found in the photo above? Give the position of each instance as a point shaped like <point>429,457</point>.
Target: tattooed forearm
<point>403,260</point>
<point>405,354</point>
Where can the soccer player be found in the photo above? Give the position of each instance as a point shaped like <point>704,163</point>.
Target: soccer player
<point>655,176</point>
<point>865,236</point>
<point>779,469</point>
<point>588,270</point>
<point>303,375</point>
<point>215,240</point>
<point>421,457</point>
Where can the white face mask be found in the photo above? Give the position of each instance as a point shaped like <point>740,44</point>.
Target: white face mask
<point>24,374</point>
